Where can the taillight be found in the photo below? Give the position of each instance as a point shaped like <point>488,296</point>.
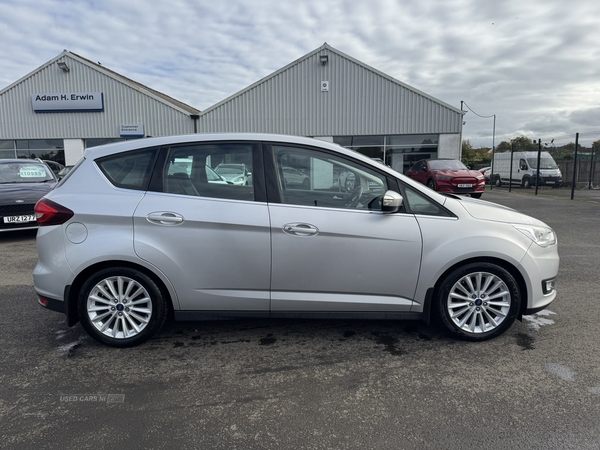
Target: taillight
<point>48,212</point>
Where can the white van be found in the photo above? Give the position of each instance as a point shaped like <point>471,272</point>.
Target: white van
<point>524,169</point>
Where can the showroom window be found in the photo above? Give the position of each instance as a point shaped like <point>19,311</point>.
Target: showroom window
<point>46,149</point>
<point>101,141</point>
<point>399,152</point>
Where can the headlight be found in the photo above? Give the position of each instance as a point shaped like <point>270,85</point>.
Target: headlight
<point>238,179</point>
<point>443,177</point>
<point>542,236</point>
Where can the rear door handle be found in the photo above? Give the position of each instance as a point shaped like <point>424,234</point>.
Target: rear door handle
<point>165,218</point>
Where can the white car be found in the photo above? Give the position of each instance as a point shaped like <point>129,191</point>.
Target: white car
<point>237,174</point>
<point>126,238</point>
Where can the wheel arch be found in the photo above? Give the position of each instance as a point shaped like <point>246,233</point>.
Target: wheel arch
<point>72,291</point>
<point>516,274</point>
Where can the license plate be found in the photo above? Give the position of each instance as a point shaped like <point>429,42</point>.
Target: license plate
<point>465,185</point>
<point>20,219</point>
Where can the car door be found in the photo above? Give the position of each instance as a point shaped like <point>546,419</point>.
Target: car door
<point>211,239</point>
<point>333,249</point>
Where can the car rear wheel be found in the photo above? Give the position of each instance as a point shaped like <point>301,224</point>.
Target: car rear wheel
<point>498,181</point>
<point>478,301</point>
<point>121,307</point>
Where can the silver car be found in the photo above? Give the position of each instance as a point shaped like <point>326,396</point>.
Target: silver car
<point>126,238</point>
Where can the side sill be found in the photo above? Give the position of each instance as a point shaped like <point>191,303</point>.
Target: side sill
<point>231,315</point>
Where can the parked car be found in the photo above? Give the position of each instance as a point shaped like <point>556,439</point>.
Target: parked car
<point>63,172</point>
<point>119,248</point>
<point>293,177</point>
<point>235,173</point>
<point>54,166</point>
<point>22,183</point>
<point>486,171</point>
<point>448,175</point>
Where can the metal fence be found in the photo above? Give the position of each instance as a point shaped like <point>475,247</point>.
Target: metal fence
<point>578,160</point>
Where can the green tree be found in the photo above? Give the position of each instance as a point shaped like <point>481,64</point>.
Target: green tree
<point>523,144</point>
<point>503,147</point>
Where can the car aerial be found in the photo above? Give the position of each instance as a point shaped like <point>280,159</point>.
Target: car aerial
<point>448,175</point>
<point>22,183</point>
<point>121,245</point>
<point>237,174</point>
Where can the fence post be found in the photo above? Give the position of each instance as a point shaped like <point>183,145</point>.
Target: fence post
<point>575,166</point>
<point>591,169</point>
<point>537,173</point>
<point>512,150</point>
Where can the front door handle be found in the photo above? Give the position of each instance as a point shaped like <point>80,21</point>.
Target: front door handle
<point>165,218</point>
<point>300,229</point>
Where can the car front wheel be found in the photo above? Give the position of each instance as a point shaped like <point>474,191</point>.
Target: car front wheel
<point>121,307</point>
<point>431,184</point>
<point>478,301</point>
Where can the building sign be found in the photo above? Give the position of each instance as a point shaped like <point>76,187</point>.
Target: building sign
<point>324,86</point>
<point>68,102</point>
<point>132,131</point>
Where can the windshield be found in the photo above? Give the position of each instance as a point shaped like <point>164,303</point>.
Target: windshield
<point>545,163</point>
<point>24,172</point>
<point>450,164</point>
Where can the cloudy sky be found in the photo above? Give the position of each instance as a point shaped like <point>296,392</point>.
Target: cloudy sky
<point>535,64</point>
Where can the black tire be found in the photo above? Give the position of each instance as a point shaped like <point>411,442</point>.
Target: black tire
<point>113,320</point>
<point>431,184</point>
<point>526,183</point>
<point>498,181</point>
<point>470,316</point>
<point>477,195</point>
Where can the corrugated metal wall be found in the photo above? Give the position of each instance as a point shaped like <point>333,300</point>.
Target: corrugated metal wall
<point>360,101</point>
<point>123,105</point>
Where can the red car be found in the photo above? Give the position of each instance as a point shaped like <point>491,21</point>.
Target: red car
<point>448,175</point>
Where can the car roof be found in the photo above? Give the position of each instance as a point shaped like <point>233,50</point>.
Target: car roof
<point>20,160</point>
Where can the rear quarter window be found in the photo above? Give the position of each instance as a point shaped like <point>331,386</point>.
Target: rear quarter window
<point>129,170</point>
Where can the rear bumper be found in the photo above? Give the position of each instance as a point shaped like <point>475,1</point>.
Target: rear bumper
<point>51,303</point>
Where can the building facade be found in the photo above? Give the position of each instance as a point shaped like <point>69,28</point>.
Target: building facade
<point>329,95</point>
<point>71,103</point>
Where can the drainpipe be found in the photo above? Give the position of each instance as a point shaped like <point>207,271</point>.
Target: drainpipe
<point>195,118</point>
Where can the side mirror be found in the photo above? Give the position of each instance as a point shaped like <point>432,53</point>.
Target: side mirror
<point>392,202</point>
